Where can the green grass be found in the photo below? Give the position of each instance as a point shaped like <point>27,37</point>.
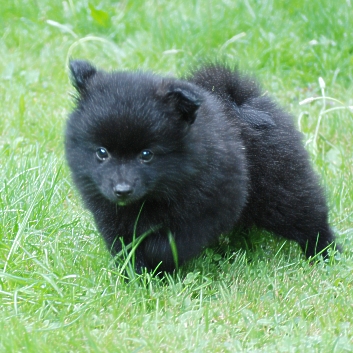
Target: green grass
<point>59,290</point>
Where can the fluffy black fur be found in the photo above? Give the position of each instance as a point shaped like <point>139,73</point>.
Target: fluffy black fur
<point>187,160</point>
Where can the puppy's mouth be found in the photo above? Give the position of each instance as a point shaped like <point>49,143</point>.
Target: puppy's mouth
<point>122,203</point>
<point>125,200</point>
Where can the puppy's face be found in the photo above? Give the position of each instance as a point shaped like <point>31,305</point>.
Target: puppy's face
<point>129,163</point>
<point>126,138</point>
<point>128,179</point>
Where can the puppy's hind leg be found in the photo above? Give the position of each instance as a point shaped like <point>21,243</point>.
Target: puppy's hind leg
<point>313,239</point>
<point>318,242</point>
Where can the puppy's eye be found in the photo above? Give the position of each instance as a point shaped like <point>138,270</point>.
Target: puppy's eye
<point>102,154</point>
<point>146,155</point>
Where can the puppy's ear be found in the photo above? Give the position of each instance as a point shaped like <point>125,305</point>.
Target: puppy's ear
<point>186,101</point>
<point>81,72</point>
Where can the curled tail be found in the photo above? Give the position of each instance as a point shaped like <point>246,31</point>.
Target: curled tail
<point>241,93</point>
<point>228,84</point>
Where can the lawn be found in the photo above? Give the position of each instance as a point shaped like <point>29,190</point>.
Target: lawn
<point>59,288</point>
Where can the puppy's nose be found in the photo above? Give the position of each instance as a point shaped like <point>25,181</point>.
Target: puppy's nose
<point>123,190</point>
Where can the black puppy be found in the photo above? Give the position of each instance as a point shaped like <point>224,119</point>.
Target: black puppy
<point>183,161</point>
